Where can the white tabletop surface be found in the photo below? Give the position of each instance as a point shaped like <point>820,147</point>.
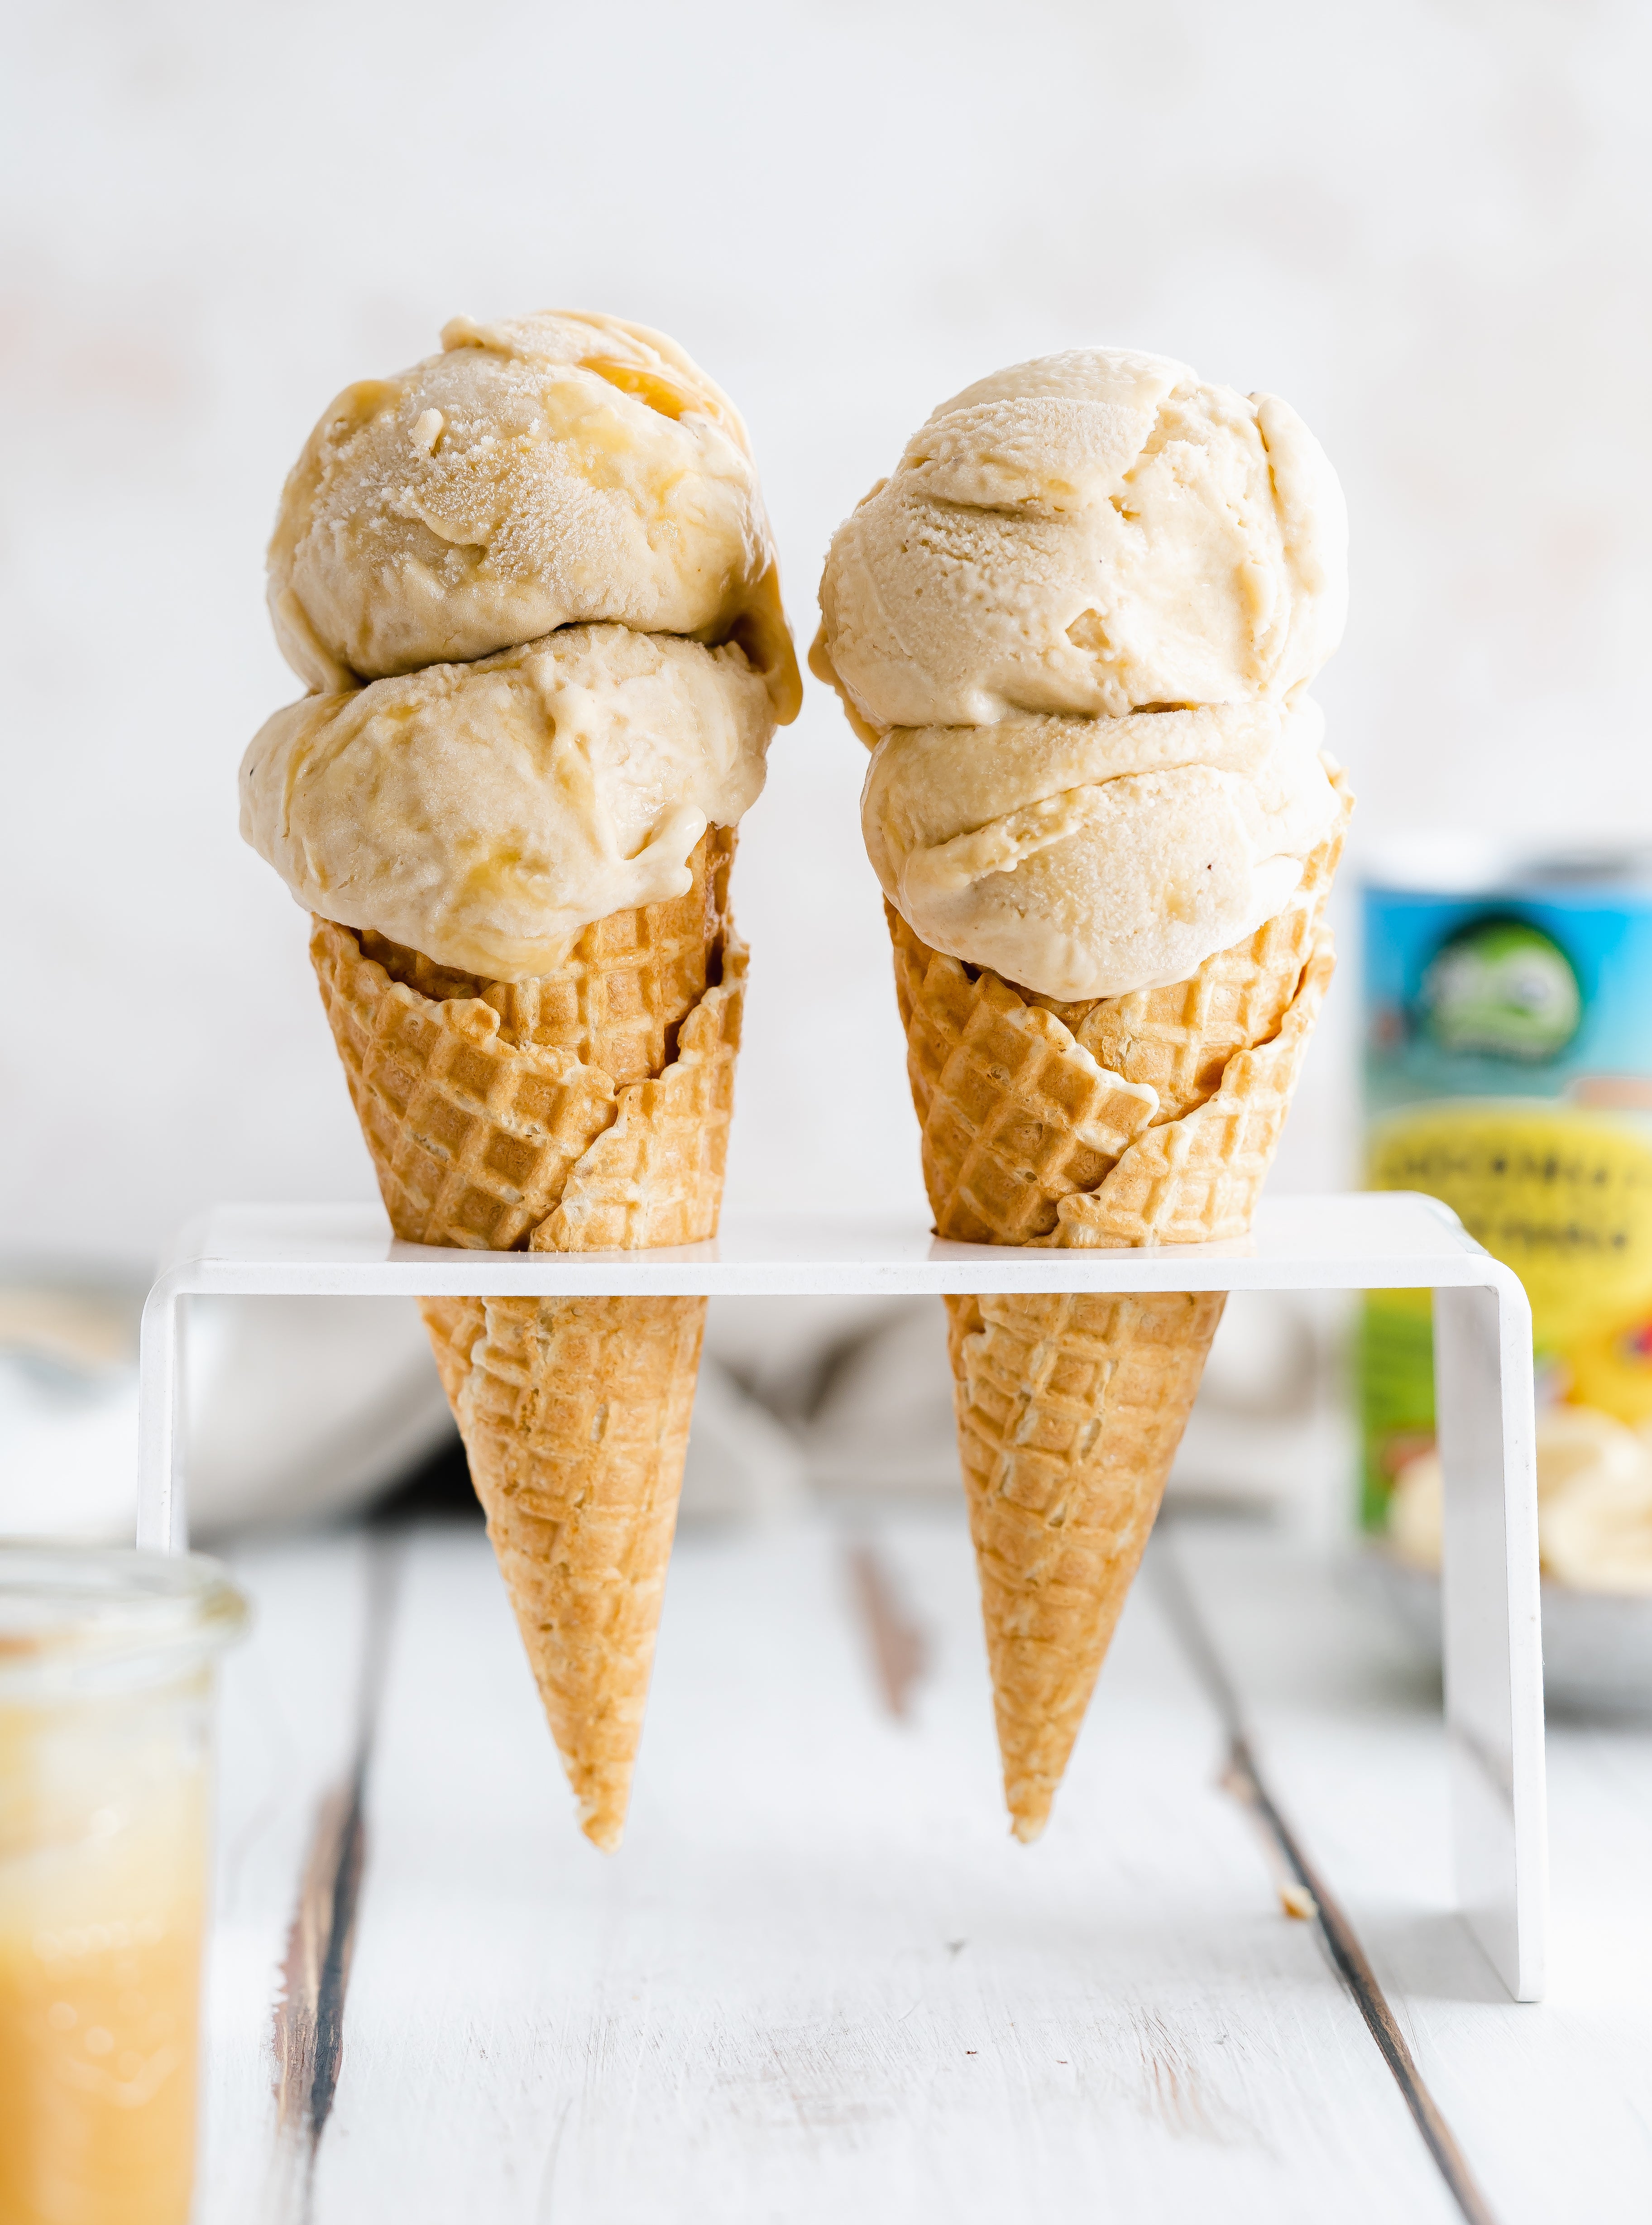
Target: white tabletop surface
<point>820,1982</point>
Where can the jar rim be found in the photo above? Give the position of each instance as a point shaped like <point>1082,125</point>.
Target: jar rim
<point>73,1616</point>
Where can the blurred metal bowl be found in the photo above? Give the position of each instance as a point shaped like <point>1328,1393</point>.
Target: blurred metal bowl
<point>1597,1645</point>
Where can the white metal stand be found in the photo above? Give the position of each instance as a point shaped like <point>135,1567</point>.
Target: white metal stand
<point>1483,1348</point>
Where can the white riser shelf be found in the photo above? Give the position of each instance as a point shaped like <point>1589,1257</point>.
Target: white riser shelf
<point>1494,1698</point>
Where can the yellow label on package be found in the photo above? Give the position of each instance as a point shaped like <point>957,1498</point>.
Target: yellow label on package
<point>1563,1195</point>
<point>1508,1073</point>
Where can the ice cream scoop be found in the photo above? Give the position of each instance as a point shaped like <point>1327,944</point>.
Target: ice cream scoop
<point>1091,533</point>
<point>483,813</point>
<point>1076,627</point>
<point>541,471</point>
<point>1091,857</point>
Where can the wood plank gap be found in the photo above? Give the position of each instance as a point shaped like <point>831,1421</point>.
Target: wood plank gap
<point>900,1645</point>
<point>307,2027</point>
<point>1243,1779</point>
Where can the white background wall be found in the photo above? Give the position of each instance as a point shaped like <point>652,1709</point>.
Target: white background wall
<point>1426,222</point>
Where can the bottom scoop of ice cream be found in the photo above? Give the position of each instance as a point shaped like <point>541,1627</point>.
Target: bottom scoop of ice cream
<point>484,814</point>
<point>1087,858</point>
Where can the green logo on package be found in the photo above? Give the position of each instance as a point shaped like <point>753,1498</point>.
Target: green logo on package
<point>1503,988</point>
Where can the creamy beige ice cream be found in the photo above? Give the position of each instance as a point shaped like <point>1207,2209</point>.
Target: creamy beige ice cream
<point>541,471</point>
<point>1091,533</point>
<point>1090,857</point>
<point>1076,627</point>
<point>483,813</point>
<point>532,584</point>
<point>545,551</point>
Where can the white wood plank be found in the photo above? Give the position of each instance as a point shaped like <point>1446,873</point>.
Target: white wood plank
<point>820,1983</point>
<point>1552,2103</point>
<point>286,1731</point>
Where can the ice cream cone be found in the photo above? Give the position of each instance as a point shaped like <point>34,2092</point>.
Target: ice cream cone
<point>587,1109</point>
<point>575,1414</point>
<point>1134,1121</point>
<point>530,587</point>
<point>1070,1412</point>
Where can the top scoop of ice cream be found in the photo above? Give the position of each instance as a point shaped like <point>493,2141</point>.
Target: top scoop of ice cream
<point>543,472</point>
<point>483,813</point>
<point>1091,533</point>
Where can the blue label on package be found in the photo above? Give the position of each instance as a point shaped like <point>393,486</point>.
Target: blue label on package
<point>1545,994</point>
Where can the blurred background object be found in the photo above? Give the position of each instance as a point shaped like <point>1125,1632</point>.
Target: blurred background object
<point>1508,1073</point>
<point>1508,1067</point>
<point>1594,1527</point>
<point>107,1671</point>
<point>1439,255</point>
<point>298,1408</point>
<point>69,1405</point>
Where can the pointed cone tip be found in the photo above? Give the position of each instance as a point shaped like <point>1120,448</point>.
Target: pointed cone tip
<point>603,1829</point>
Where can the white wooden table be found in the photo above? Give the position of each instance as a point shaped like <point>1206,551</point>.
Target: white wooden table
<point>820,1983</point>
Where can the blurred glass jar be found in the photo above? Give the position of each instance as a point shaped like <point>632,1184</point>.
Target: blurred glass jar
<point>107,1668</point>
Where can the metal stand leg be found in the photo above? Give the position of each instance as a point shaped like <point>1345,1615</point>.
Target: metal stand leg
<point>1493,1647</point>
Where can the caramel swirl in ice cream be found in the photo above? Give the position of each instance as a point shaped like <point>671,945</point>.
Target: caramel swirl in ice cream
<point>541,471</point>
<point>533,585</point>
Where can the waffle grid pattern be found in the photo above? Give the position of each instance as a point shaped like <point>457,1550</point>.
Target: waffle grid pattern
<point>618,998</point>
<point>1197,1180</point>
<point>489,1144</point>
<point>1015,1113</point>
<point>488,1129</point>
<point>1178,1040</point>
<point>1070,1410</point>
<point>575,1414</point>
<point>656,1176</point>
<point>1029,1135</point>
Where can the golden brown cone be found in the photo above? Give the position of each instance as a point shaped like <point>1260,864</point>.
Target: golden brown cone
<point>1132,1121</point>
<point>587,1109</point>
<point>1070,1412</point>
<point>1031,1132</point>
<point>575,1414</point>
<point>482,1115</point>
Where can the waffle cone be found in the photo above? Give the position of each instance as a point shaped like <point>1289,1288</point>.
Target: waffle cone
<point>575,1414</point>
<point>1070,1412</point>
<point>1145,1119</point>
<point>585,1110</point>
